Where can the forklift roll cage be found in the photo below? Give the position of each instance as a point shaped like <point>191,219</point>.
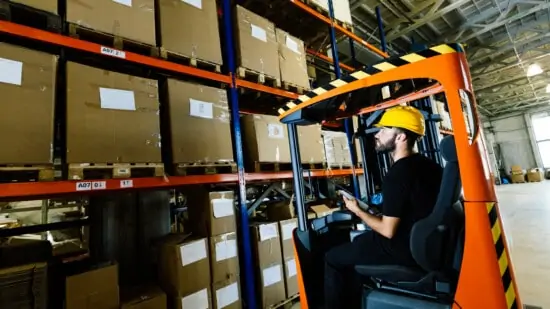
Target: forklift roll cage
<point>486,277</point>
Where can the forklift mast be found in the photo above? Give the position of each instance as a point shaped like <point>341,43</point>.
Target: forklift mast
<point>486,277</point>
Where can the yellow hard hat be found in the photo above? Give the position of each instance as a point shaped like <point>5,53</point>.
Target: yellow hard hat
<point>404,117</point>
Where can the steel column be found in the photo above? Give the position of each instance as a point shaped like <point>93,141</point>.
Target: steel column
<point>298,177</point>
<point>249,292</point>
<point>348,124</point>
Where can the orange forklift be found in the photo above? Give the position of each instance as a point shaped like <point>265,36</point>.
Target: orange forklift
<point>461,250</point>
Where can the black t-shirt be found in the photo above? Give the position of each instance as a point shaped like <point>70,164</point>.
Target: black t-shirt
<point>410,191</point>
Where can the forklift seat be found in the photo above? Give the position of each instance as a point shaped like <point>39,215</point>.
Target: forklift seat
<point>436,243</point>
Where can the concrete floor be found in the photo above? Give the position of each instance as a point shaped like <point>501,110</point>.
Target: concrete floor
<point>525,210</point>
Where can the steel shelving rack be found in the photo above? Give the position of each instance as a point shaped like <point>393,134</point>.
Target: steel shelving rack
<point>34,190</point>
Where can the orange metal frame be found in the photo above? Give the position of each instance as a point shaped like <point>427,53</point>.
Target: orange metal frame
<point>328,59</point>
<point>480,284</point>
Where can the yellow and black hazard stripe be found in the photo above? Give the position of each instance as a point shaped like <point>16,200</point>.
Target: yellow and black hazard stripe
<point>503,262</point>
<point>384,65</point>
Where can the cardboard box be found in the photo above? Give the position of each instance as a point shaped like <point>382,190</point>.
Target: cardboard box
<point>322,210</point>
<point>94,289</point>
<point>224,260</point>
<point>517,170</point>
<point>518,178</point>
<point>286,228</point>
<point>311,144</point>
<point>226,294</point>
<point>111,117</point>
<point>291,277</point>
<point>27,84</point>
<point>144,298</point>
<point>130,19</point>
<point>336,148</point>
<point>271,285</point>
<point>44,5</point>
<point>199,123</point>
<point>211,213</point>
<point>199,299</point>
<point>265,139</point>
<point>256,43</point>
<point>199,18</point>
<point>535,175</point>
<point>267,244</point>
<point>342,11</point>
<point>292,60</point>
<point>24,286</point>
<point>182,257</point>
<point>280,211</point>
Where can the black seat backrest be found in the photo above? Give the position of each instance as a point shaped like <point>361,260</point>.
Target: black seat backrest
<point>434,239</point>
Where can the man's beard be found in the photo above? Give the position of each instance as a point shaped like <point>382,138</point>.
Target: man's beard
<point>389,146</point>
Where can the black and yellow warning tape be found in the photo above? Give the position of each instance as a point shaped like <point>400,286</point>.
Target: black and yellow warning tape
<point>503,262</point>
<point>385,65</point>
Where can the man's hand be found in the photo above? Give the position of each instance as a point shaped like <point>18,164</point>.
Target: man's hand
<point>352,205</point>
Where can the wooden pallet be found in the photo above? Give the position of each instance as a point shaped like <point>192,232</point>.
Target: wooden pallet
<point>190,61</point>
<point>325,13</point>
<point>340,166</point>
<point>288,303</point>
<point>294,88</point>
<point>27,173</point>
<point>183,169</point>
<point>279,166</point>
<point>258,77</point>
<point>314,166</point>
<point>29,16</point>
<point>111,40</point>
<point>84,171</point>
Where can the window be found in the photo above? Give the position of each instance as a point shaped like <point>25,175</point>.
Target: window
<point>541,129</point>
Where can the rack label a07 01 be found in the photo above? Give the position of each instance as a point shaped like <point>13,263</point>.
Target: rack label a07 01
<point>101,185</point>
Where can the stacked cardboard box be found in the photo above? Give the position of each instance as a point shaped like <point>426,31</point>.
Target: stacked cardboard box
<point>199,123</point>
<point>269,263</point>
<point>111,111</point>
<point>133,20</point>
<point>44,5</point>
<point>93,289</point>
<point>147,297</point>
<point>24,287</point>
<point>292,60</point>
<point>199,18</point>
<point>445,117</point>
<point>257,44</point>
<point>336,149</point>
<point>212,215</point>
<point>311,144</point>
<point>286,228</point>
<point>27,84</point>
<point>518,174</point>
<point>265,139</point>
<point>535,175</point>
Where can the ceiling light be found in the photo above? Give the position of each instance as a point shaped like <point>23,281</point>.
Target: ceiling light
<point>533,69</point>
<point>548,88</point>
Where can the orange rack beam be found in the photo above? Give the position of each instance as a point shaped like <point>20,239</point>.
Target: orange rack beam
<point>43,189</point>
<point>262,88</point>
<point>343,30</point>
<point>330,60</point>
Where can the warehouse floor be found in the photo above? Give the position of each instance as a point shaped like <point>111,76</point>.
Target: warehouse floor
<point>525,210</point>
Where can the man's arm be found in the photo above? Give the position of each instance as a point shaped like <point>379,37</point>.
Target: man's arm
<point>385,226</point>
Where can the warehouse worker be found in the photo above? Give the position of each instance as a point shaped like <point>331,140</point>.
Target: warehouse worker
<point>409,190</point>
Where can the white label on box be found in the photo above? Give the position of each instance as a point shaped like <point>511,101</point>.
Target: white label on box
<point>275,130</point>
<point>292,45</point>
<point>11,72</point>
<point>127,183</point>
<point>124,2</point>
<point>268,231</point>
<point>272,275</point>
<point>288,229</point>
<point>291,268</point>
<point>195,3</point>
<point>193,252</point>
<point>386,92</point>
<point>259,33</point>
<point>197,300</point>
<point>83,186</point>
<point>117,99</point>
<point>201,109</point>
<point>113,52</point>
<point>227,295</point>
<point>222,207</point>
<point>226,249</point>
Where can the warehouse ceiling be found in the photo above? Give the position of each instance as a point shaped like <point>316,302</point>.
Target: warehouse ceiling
<point>502,39</point>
